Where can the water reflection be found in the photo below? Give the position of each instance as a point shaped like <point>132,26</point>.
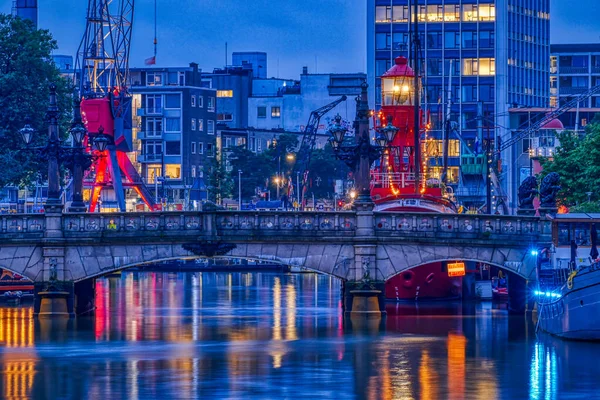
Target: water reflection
<point>277,336</point>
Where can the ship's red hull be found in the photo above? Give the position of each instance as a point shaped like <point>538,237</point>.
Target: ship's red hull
<point>429,282</point>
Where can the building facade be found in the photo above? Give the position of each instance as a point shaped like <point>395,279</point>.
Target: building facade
<point>256,59</point>
<point>574,69</point>
<point>497,53</point>
<point>234,86</point>
<point>279,104</point>
<point>174,129</point>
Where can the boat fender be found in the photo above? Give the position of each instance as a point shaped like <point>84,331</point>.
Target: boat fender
<point>408,277</point>
<point>570,280</point>
<point>430,277</point>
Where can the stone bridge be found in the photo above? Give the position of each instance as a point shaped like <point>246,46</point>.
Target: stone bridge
<point>348,245</point>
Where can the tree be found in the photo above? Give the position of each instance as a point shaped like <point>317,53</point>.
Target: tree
<point>577,161</point>
<point>257,169</point>
<point>26,72</point>
<point>219,184</point>
<point>324,170</point>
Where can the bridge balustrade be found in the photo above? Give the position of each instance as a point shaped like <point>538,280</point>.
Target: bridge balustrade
<point>132,224</point>
<point>31,225</point>
<point>290,224</point>
<point>277,223</point>
<point>461,226</point>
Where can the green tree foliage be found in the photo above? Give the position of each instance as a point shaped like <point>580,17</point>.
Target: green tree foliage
<point>219,184</point>
<point>323,171</point>
<point>257,169</point>
<point>577,161</point>
<point>26,72</point>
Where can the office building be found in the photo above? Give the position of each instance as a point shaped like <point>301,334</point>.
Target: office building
<point>497,52</point>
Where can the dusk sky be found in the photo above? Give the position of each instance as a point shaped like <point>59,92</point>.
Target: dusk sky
<point>326,35</point>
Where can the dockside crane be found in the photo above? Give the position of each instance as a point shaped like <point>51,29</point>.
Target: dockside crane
<point>309,141</point>
<point>103,59</point>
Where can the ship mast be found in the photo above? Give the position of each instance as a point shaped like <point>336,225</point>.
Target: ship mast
<point>417,127</point>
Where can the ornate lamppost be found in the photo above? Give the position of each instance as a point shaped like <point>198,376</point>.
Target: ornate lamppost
<point>363,153</point>
<point>75,157</point>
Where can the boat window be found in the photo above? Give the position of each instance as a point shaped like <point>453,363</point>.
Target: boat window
<point>582,234</point>
<point>563,234</point>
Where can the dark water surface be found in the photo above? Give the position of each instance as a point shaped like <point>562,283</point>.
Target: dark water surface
<point>262,335</point>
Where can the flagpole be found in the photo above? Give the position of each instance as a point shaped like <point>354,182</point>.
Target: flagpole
<point>155,24</point>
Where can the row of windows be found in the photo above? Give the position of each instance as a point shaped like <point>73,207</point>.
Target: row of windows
<point>437,13</point>
<point>172,171</point>
<point>528,12</point>
<point>198,148</point>
<point>437,40</point>
<point>156,102</point>
<point>200,102</point>
<point>210,124</point>
<point>176,78</point>
<point>261,112</point>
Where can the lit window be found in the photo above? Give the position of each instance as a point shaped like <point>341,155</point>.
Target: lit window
<point>275,112</point>
<point>383,14</point>
<point>481,66</point>
<point>224,93</point>
<point>173,171</point>
<point>487,12</point>
<point>200,125</point>
<point>470,12</point>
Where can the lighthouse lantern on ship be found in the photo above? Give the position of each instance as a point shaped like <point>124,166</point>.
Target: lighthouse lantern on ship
<point>394,183</point>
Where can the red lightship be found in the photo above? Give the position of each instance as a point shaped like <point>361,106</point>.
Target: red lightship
<point>397,185</point>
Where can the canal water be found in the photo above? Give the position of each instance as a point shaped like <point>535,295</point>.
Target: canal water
<point>280,336</point>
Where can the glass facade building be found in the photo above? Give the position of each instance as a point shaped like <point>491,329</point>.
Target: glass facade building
<point>497,54</point>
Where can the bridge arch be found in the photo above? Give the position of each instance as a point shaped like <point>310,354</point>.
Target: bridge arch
<point>395,259</point>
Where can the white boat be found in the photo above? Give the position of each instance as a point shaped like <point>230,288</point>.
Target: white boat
<point>568,296</point>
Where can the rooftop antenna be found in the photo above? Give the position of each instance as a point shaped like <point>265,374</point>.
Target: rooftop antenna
<point>155,25</point>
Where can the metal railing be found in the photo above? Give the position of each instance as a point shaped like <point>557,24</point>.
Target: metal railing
<point>396,179</point>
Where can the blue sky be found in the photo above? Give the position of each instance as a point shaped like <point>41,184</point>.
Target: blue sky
<point>326,35</point>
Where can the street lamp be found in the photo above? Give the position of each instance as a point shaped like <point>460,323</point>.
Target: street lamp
<point>73,157</point>
<point>239,189</point>
<point>361,155</point>
<point>27,132</point>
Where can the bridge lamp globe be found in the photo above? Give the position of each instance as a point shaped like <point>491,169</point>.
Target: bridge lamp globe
<point>337,131</point>
<point>353,194</point>
<point>381,139</point>
<point>27,132</point>
<point>390,130</point>
<point>101,142</point>
<point>290,157</point>
<point>78,133</point>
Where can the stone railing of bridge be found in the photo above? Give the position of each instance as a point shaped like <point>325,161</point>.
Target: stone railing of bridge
<point>274,226</point>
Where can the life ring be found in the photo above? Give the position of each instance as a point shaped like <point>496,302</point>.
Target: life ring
<point>429,278</point>
<point>408,277</point>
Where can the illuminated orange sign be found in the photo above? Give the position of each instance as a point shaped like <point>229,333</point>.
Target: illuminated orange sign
<point>456,269</point>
